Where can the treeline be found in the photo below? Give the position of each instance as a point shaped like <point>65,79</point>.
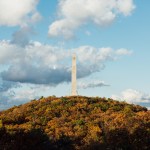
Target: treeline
<point>75,123</point>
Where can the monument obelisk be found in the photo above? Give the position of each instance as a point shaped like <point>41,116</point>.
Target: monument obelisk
<point>74,76</point>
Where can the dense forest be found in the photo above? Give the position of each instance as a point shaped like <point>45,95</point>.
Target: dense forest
<point>75,123</point>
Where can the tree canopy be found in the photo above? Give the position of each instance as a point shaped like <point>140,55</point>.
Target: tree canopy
<point>75,122</point>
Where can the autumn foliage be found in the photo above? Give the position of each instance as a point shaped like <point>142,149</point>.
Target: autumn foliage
<point>75,123</point>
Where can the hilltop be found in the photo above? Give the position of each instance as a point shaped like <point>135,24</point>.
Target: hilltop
<point>69,123</point>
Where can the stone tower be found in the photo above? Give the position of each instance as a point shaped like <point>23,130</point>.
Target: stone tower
<point>74,76</point>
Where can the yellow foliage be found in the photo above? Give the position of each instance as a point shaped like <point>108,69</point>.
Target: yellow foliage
<point>82,121</point>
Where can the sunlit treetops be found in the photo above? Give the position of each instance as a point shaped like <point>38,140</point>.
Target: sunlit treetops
<point>75,123</point>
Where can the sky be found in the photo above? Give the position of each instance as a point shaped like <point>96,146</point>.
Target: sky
<point>110,38</point>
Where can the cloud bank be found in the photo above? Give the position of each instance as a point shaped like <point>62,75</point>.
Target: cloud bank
<point>38,63</point>
<point>75,13</point>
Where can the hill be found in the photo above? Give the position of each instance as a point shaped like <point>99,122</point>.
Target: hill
<point>69,123</point>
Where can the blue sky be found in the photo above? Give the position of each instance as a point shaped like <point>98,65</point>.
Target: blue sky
<point>111,40</point>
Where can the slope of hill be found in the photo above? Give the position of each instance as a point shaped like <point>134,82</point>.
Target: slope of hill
<point>69,123</point>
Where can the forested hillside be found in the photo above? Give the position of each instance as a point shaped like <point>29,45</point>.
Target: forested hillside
<point>69,123</point>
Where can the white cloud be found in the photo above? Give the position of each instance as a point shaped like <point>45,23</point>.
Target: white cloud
<point>133,96</point>
<point>123,52</point>
<point>16,95</point>
<point>96,56</point>
<point>36,17</point>
<point>18,13</point>
<point>9,52</point>
<point>23,94</point>
<point>75,13</point>
<point>91,84</point>
<point>125,6</point>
